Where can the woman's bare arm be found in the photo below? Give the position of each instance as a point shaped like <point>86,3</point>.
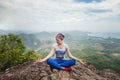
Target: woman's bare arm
<point>71,56</point>
<point>48,56</point>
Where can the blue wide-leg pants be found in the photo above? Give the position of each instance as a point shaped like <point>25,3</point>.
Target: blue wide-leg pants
<point>59,63</point>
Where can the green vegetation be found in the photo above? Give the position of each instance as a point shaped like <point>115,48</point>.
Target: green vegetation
<point>12,51</point>
<point>100,61</point>
<point>104,62</point>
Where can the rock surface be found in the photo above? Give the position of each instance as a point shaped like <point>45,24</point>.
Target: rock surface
<point>42,71</point>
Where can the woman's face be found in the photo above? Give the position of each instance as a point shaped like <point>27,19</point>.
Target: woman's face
<point>59,41</point>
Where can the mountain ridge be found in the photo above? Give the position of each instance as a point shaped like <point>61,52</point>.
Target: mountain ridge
<point>41,71</point>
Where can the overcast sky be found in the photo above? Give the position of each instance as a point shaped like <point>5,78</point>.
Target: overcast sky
<point>60,15</point>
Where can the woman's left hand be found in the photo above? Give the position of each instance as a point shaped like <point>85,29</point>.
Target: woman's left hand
<point>82,61</point>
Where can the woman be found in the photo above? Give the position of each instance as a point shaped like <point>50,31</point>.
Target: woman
<point>59,49</point>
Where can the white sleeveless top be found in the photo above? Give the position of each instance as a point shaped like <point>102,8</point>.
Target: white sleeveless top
<point>60,52</point>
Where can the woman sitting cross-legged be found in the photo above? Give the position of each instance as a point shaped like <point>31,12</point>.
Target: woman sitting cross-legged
<point>60,49</point>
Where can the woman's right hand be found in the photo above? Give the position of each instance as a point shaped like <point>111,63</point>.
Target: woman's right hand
<point>82,61</point>
<point>39,60</point>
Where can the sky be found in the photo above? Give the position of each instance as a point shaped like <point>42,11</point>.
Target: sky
<point>60,15</point>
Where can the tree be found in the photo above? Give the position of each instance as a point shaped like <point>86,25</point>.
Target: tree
<point>30,55</point>
<point>11,48</point>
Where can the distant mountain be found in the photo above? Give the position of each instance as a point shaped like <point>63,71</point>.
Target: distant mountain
<point>37,40</point>
<point>43,36</point>
<point>105,34</point>
<point>78,33</point>
<point>30,40</point>
<point>3,32</point>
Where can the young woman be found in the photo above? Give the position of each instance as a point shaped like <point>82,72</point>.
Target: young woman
<point>60,49</point>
